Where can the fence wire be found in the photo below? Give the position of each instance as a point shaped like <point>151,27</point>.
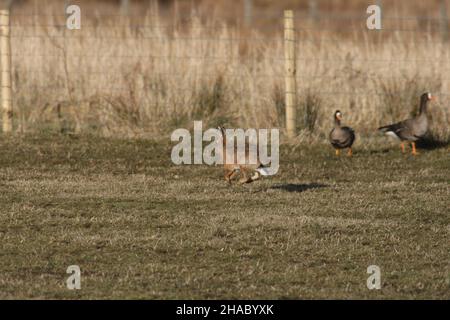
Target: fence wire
<point>137,32</point>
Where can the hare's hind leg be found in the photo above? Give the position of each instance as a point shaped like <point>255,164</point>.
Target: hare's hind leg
<point>244,177</point>
<point>229,175</point>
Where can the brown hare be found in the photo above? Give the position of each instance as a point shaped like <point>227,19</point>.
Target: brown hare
<point>248,172</point>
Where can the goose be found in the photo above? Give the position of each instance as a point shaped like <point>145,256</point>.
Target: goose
<point>411,130</point>
<point>341,137</point>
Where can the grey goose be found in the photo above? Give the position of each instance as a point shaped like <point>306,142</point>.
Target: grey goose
<point>341,137</point>
<point>413,129</point>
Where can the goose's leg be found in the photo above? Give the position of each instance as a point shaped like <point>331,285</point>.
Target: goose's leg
<point>350,152</point>
<point>338,152</point>
<point>414,151</point>
<point>402,145</point>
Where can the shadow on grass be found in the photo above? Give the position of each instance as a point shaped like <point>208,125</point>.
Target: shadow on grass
<point>379,151</point>
<point>432,144</point>
<point>291,187</point>
<point>425,144</point>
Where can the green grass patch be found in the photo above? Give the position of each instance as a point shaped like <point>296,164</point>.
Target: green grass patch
<point>140,227</point>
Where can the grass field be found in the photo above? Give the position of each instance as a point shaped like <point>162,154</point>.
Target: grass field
<point>140,227</point>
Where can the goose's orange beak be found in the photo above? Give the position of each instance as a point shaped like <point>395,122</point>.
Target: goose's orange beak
<point>433,98</point>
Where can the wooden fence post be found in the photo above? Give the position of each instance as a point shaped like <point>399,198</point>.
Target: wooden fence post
<point>290,71</point>
<point>313,10</point>
<point>125,7</point>
<point>5,66</point>
<point>444,20</point>
<point>248,13</point>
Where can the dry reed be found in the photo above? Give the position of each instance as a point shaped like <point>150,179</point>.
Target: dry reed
<point>143,77</point>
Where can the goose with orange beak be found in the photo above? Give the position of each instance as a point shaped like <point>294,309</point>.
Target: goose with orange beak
<point>341,137</point>
<point>411,130</point>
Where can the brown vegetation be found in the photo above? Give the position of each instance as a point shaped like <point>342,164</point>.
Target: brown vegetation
<point>140,227</point>
<point>148,73</point>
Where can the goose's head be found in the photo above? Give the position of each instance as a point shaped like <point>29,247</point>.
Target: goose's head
<point>338,115</point>
<point>427,96</point>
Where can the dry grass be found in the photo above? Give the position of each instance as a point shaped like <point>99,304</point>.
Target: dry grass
<point>143,76</point>
<point>140,227</point>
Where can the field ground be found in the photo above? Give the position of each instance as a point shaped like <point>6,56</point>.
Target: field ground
<point>140,227</point>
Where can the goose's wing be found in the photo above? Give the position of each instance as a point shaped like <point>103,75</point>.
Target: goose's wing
<point>418,126</point>
<point>401,130</point>
<point>349,136</point>
<point>342,137</point>
<point>349,131</point>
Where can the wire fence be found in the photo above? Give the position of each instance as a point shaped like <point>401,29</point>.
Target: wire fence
<point>71,61</point>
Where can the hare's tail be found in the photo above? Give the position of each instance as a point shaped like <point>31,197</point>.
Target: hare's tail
<point>263,171</point>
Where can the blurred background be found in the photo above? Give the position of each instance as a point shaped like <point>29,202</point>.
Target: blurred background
<point>140,68</point>
<point>261,14</point>
<point>242,11</point>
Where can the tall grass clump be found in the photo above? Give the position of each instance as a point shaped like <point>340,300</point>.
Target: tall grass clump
<point>145,76</point>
